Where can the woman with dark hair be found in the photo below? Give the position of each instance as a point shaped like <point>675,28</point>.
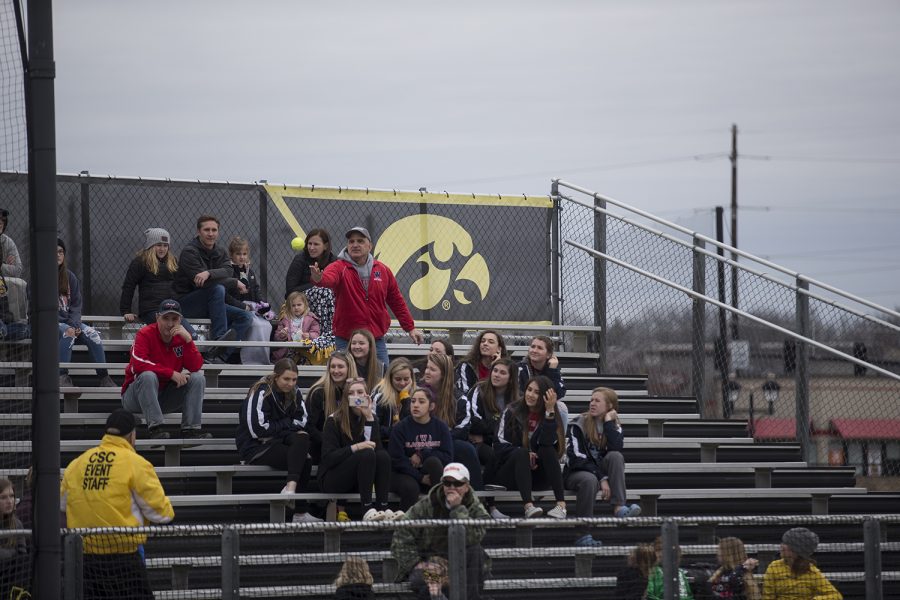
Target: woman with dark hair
<point>316,251</point>
<point>273,429</point>
<point>325,395</point>
<point>151,273</point>
<point>10,547</point>
<point>541,360</point>
<point>476,365</point>
<point>71,329</point>
<point>442,346</point>
<point>530,441</point>
<point>478,418</point>
<point>353,459</point>
<point>450,408</point>
<point>420,448</point>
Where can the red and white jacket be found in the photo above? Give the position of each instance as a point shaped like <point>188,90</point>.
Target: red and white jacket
<point>151,353</point>
<point>357,308</point>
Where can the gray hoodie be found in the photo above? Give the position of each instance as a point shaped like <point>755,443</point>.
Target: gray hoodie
<point>363,271</point>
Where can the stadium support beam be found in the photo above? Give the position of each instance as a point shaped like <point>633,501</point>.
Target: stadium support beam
<point>41,124</point>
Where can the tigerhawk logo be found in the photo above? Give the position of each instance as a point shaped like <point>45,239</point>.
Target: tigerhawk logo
<point>434,241</point>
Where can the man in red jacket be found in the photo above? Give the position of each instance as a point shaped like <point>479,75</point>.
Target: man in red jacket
<point>364,288</point>
<point>164,375</point>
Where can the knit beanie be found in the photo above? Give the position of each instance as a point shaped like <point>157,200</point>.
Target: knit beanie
<point>154,236</point>
<point>59,243</point>
<point>801,540</point>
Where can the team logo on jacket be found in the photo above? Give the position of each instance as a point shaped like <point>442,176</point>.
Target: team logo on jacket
<point>178,350</point>
<point>441,245</point>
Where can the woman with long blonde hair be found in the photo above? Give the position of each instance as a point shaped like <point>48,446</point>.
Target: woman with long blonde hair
<point>391,395</point>
<point>734,577</point>
<point>325,395</point>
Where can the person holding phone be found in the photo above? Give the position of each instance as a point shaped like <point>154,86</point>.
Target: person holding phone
<point>352,456</point>
<point>529,444</point>
<point>420,447</point>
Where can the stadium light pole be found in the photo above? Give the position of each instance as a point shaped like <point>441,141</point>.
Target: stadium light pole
<point>41,128</point>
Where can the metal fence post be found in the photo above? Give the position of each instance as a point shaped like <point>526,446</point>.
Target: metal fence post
<point>555,257</point>
<point>670,560</point>
<point>231,554</point>
<point>698,328</point>
<point>264,243</point>
<point>73,567</point>
<point>802,373</point>
<point>86,273</point>
<point>456,549</point>
<point>600,283</point>
<point>872,545</point>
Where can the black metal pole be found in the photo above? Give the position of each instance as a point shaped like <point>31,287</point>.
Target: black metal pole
<point>722,346</point>
<point>264,244</point>
<point>734,230</point>
<point>40,115</point>
<point>87,275</point>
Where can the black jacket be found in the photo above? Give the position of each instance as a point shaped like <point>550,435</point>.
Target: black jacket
<point>581,453</point>
<point>263,421</point>
<point>509,434</point>
<point>297,278</point>
<point>250,280</point>
<point>472,417</point>
<point>152,289</point>
<point>195,258</point>
<point>336,445</point>
<point>526,372</point>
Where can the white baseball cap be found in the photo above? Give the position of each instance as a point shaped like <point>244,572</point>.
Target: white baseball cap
<point>456,471</point>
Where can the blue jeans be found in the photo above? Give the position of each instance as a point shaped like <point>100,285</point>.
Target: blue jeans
<point>380,348</point>
<point>149,318</point>
<point>88,337</point>
<point>209,303</point>
<point>14,331</point>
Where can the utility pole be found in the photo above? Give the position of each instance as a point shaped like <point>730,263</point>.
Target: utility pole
<point>734,230</point>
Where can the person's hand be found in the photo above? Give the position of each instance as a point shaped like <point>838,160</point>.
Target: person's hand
<point>178,378</point>
<point>416,461</point>
<point>604,489</point>
<point>476,438</point>
<point>315,273</point>
<point>550,400</point>
<point>71,332</point>
<point>130,317</point>
<point>497,356</point>
<point>750,564</point>
<point>180,330</point>
<point>417,336</point>
<point>453,495</point>
<point>200,278</point>
<point>553,362</point>
<point>366,445</point>
<point>533,460</point>
<point>366,409</point>
<point>426,480</point>
<point>304,336</point>
<point>611,416</point>
<point>242,289</point>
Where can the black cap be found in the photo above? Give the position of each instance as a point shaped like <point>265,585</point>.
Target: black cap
<point>169,306</point>
<point>120,422</point>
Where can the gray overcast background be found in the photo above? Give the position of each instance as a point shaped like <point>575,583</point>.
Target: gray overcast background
<point>499,97</point>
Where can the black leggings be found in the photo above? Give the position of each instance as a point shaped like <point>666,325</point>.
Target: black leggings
<point>408,488</point>
<point>488,460</point>
<point>358,472</point>
<point>291,455</point>
<point>516,474</point>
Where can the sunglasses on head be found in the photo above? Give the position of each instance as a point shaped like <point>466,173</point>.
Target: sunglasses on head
<point>452,483</point>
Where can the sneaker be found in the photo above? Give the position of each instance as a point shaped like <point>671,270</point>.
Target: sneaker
<point>626,511</point>
<point>634,510</point>
<point>493,487</point>
<point>107,381</point>
<point>533,512</point>
<point>215,361</point>
<point>65,381</point>
<point>388,515</point>
<point>398,514</point>
<point>304,517</point>
<point>156,433</point>
<point>343,517</point>
<point>586,541</point>
<point>497,515</point>
<point>557,512</point>
<point>285,490</point>
<point>373,514</point>
<point>195,434</point>
<point>219,351</point>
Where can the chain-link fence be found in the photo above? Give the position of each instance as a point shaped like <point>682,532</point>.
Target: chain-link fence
<point>515,559</point>
<point>736,366</point>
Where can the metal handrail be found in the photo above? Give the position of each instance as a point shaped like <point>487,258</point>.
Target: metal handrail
<point>726,247</point>
<point>733,263</point>
<point>737,311</point>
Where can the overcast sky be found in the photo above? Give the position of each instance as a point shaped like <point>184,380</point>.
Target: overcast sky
<point>633,99</point>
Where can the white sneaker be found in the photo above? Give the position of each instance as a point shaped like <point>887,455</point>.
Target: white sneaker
<point>373,514</point>
<point>285,490</point>
<point>398,514</point>
<point>388,515</point>
<point>557,512</point>
<point>305,518</point>
<point>533,512</point>
<point>497,515</point>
